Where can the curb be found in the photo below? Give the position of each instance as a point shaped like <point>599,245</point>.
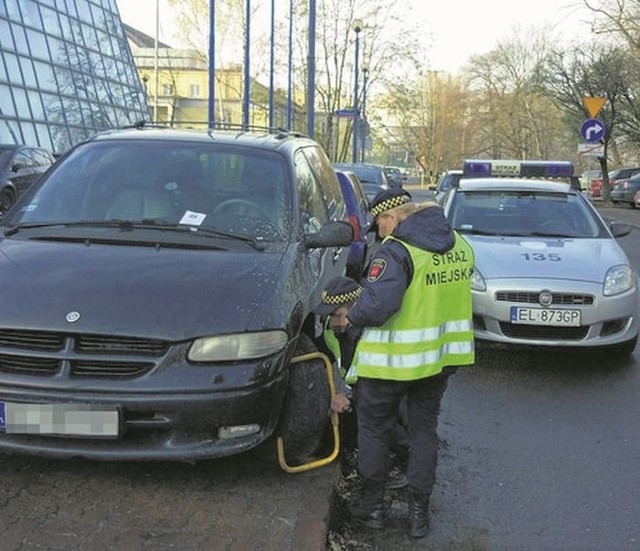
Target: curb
<point>312,526</point>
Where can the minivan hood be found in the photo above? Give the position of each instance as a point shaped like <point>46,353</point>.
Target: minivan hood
<point>42,282</point>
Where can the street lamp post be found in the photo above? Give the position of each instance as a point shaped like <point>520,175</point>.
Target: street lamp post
<point>357,27</point>
<point>211,104</point>
<point>246,94</point>
<point>363,136</point>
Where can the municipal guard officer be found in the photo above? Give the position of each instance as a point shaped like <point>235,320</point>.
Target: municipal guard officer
<point>340,339</point>
<point>339,294</point>
<point>416,315</point>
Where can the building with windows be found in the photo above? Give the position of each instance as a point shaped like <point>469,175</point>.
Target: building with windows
<point>177,86</point>
<point>66,71</point>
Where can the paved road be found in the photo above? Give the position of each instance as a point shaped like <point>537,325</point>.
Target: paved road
<point>539,452</point>
<point>240,503</point>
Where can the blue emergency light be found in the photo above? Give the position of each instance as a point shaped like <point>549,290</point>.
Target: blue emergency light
<point>521,169</point>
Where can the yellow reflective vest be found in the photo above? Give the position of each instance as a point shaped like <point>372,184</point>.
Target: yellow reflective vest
<point>433,327</point>
<point>333,345</point>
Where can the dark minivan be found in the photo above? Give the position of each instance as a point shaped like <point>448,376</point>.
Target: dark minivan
<point>156,287</point>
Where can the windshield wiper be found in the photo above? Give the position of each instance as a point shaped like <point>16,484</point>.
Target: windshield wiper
<point>475,231</point>
<point>152,223</point>
<point>549,234</point>
<point>147,223</point>
<point>105,223</point>
<point>256,242</point>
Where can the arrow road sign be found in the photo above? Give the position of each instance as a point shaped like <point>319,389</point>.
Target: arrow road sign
<point>592,130</point>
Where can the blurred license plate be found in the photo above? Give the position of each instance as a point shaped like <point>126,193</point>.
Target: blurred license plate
<point>545,316</point>
<point>59,419</point>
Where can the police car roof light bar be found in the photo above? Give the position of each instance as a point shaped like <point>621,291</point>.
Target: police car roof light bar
<point>524,169</point>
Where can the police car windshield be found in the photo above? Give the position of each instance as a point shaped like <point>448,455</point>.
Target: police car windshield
<point>524,213</point>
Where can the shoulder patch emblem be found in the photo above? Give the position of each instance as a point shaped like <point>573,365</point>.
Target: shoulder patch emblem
<point>378,266</point>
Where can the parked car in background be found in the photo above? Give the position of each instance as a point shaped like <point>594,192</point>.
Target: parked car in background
<point>20,166</point>
<point>371,190</point>
<point>156,285</point>
<point>625,190</point>
<point>587,177</point>
<point>614,177</point>
<point>446,181</point>
<point>367,173</point>
<point>395,175</point>
<point>636,200</point>
<point>549,272</point>
<point>359,218</point>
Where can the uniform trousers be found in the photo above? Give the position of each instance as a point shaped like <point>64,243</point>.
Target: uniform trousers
<point>377,409</point>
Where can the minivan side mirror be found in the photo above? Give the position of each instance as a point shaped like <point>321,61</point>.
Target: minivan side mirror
<point>333,234</point>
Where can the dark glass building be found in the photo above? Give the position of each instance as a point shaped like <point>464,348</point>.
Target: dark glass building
<point>66,71</point>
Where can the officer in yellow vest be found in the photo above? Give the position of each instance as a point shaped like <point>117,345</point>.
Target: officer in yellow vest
<point>341,340</point>
<point>336,299</point>
<point>416,314</point>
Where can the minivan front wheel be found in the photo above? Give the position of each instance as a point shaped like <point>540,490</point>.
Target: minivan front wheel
<point>305,414</point>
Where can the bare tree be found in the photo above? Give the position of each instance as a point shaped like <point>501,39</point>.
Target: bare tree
<point>514,118</point>
<point>618,18</point>
<point>433,116</point>
<point>594,71</point>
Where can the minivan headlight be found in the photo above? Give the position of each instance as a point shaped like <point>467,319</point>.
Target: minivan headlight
<point>240,346</point>
<point>618,280</point>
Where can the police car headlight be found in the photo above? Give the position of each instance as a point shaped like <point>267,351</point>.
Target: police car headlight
<point>618,280</point>
<point>241,346</point>
<point>477,281</point>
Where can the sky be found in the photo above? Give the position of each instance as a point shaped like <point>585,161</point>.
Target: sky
<point>459,28</point>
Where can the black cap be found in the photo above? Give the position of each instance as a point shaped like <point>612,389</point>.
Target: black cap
<point>340,290</point>
<point>388,199</point>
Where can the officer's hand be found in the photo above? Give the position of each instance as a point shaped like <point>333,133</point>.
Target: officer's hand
<point>340,403</point>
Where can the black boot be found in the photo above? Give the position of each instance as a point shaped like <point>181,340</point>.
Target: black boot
<point>371,515</point>
<point>418,517</point>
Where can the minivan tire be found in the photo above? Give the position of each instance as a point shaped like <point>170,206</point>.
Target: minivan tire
<point>305,414</point>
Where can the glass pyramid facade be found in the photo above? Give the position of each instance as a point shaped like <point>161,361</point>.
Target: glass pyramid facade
<point>66,72</point>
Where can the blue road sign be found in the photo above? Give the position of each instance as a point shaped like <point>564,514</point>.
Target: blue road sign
<point>592,130</point>
<point>348,113</point>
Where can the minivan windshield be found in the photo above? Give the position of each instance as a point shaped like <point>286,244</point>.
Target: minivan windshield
<point>179,183</point>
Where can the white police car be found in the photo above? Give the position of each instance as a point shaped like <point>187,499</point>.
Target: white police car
<point>549,271</point>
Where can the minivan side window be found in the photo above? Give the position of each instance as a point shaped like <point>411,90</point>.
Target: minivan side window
<point>330,187</point>
<point>313,208</point>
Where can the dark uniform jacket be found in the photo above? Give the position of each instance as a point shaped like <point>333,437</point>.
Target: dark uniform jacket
<point>391,269</point>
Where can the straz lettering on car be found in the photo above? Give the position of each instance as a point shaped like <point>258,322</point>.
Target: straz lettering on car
<point>448,274</point>
<point>553,257</point>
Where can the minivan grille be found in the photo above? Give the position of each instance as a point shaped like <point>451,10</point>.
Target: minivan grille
<point>28,339</point>
<point>41,353</point>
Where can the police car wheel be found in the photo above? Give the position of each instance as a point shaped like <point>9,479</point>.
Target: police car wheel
<point>305,414</point>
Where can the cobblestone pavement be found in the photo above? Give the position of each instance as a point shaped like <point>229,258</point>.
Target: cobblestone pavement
<point>239,503</point>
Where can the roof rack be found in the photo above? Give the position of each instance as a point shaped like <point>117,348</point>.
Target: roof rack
<point>203,125</point>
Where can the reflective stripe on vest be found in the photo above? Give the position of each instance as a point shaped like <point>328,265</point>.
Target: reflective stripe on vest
<point>433,327</point>
<point>334,346</point>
